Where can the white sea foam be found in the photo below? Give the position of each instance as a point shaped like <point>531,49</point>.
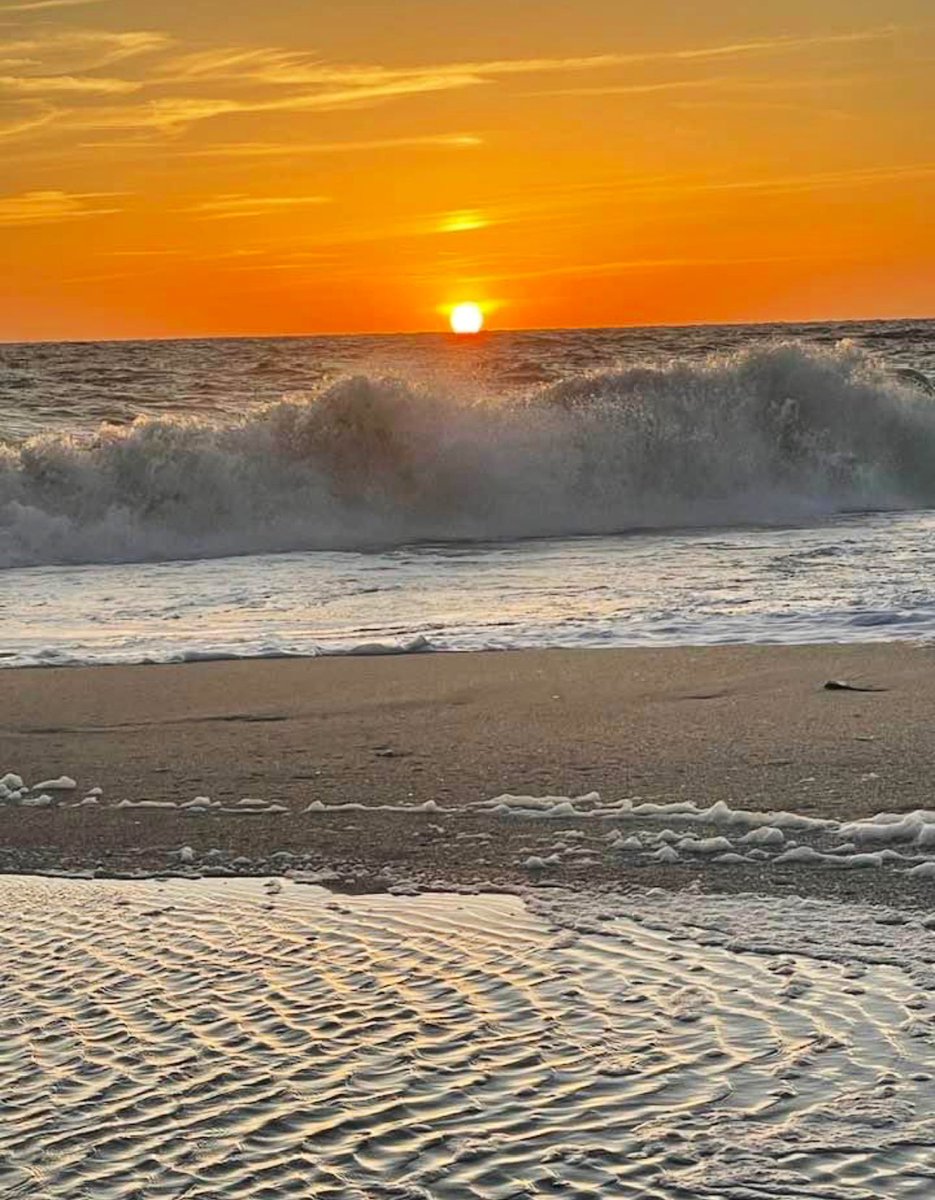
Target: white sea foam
<point>719,813</point>
<point>915,828</point>
<point>741,837</point>
<point>64,783</point>
<point>768,434</point>
<point>848,579</point>
<point>765,833</point>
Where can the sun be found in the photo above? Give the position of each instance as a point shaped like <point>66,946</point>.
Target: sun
<point>467,318</point>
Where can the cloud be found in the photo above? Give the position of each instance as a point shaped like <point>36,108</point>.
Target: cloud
<point>41,5</point>
<point>24,125</point>
<point>174,113</point>
<point>727,83</point>
<point>222,82</point>
<point>823,180</point>
<point>312,85</point>
<point>55,85</point>
<point>161,252</point>
<point>295,149</point>
<point>784,44</point>
<point>747,105</point>
<point>578,270</point>
<point>218,207</point>
<point>563,200</point>
<point>639,89</point>
<point>285,68</point>
<point>72,50</point>
<point>463,221</point>
<point>44,208</point>
<point>560,199</point>
<point>288,68</point>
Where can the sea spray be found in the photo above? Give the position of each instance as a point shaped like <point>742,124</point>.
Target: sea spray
<point>770,434</point>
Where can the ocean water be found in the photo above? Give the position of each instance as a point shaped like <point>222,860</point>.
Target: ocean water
<point>166,501</point>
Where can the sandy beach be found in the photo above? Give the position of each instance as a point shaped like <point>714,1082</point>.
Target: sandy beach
<point>467,528</point>
<point>753,727</point>
<point>235,1038</point>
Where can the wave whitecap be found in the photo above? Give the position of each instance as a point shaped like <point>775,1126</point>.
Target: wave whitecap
<point>770,434</point>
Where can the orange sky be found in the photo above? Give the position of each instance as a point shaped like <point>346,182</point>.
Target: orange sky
<point>291,167</point>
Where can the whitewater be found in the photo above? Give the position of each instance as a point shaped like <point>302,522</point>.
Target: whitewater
<point>179,500</point>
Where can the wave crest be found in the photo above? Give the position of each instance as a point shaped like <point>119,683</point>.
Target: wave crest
<point>770,434</point>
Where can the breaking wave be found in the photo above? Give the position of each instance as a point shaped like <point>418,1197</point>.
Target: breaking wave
<point>768,435</point>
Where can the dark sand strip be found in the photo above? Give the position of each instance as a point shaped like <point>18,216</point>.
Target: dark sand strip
<point>753,726</point>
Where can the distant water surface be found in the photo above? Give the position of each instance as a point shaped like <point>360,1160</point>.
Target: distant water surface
<point>177,500</point>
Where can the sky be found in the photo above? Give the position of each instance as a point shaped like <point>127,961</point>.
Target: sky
<point>202,168</point>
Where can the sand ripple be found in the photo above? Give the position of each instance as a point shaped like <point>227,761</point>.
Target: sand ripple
<point>227,1039</point>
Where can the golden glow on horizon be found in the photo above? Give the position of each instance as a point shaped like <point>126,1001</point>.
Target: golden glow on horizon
<point>466,318</point>
<point>299,171</point>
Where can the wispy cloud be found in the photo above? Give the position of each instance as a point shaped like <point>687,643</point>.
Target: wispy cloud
<point>161,252</point>
<point>340,86</point>
<point>74,50</point>
<point>174,113</point>
<point>25,125</point>
<point>57,85</point>
<point>562,199</point>
<point>825,180</point>
<point>28,6</point>
<point>43,208</point>
<point>747,104</point>
<point>251,206</point>
<point>296,149</point>
<point>219,82</point>
<point>463,221</point>
<point>780,44</point>
<point>288,68</point>
<point>285,68</point>
<point>622,266</point>
<point>639,89</point>
<point>726,83</point>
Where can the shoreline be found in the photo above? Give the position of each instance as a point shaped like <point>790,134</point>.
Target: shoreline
<point>750,727</point>
<point>414,648</point>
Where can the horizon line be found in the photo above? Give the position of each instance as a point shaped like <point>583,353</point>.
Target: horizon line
<point>448,335</point>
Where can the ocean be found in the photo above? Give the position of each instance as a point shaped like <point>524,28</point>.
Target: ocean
<point>175,501</point>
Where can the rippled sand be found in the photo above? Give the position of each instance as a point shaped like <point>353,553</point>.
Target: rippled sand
<point>207,1040</point>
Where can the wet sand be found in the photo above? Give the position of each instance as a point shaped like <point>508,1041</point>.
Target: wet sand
<point>250,1040</point>
<point>752,726</point>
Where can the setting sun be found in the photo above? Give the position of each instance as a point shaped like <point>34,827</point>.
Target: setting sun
<point>467,318</point>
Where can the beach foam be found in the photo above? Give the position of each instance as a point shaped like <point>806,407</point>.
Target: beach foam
<point>713,836</point>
